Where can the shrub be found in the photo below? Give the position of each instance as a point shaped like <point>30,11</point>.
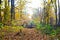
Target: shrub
<point>58,30</point>
<point>46,29</point>
<point>1,25</point>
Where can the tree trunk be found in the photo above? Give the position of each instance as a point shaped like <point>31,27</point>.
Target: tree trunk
<point>12,10</point>
<point>0,13</point>
<point>59,17</point>
<point>59,13</point>
<point>56,11</point>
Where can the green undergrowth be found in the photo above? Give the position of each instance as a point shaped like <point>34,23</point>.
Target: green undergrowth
<point>46,29</point>
<point>9,29</point>
<point>1,25</point>
<point>49,30</point>
<point>6,30</point>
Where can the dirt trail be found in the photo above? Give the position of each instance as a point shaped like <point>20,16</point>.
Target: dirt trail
<point>25,34</point>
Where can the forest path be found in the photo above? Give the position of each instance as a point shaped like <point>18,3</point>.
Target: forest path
<point>25,34</point>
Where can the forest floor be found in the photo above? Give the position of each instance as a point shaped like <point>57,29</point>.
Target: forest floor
<point>21,34</point>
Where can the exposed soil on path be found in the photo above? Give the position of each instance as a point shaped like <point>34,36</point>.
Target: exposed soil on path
<point>25,34</point>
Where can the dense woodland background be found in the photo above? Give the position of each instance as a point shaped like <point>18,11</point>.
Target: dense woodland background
<point>50,14</point>
<point>46,19</point>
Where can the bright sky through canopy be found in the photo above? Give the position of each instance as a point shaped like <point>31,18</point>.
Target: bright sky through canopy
<point>33,4</point>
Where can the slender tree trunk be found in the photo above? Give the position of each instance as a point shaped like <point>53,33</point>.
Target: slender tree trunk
<point>59,10</point>
<point>56,11</point>
<point>12,10</point>
<point>8,2</point>
<point>0,12</point>
<point>59,16</point>
<point>59,13</point>
<point>44,13</point>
